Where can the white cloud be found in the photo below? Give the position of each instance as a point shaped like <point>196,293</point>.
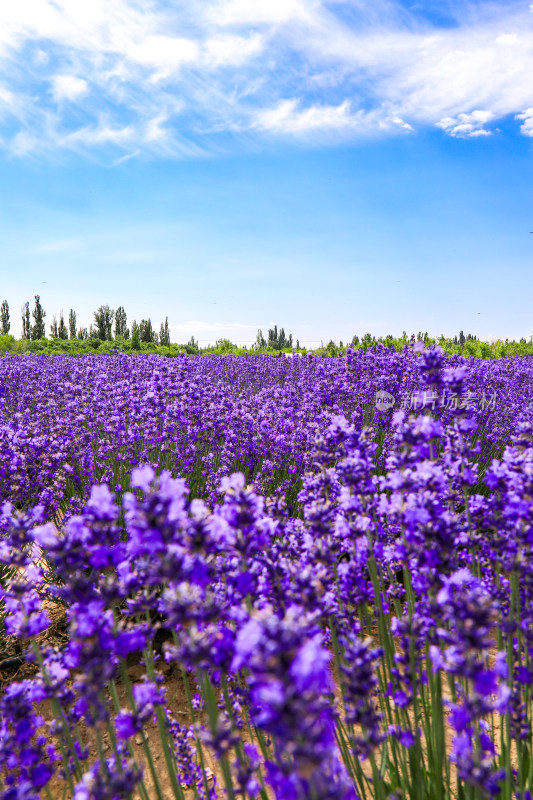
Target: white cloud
<point>163,55</point>
<point>507,38</point>
<point>7,98</point>
<point>399,121</point>
<point>23,143</point>
<point>112,75</point>
<point>211,331</point>
<point>527,126</point>
<point>466,125</point>
<point>195,324</point>
<point>68,87</point>
<point>98,135</point>
<point>258,12</point>
<point>286,118</point>
<point>233,50</point>
<point>154,130</point>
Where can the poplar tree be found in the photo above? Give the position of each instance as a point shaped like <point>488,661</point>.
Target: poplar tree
<point>72,324</point>
<point>62,330</point>
<point>26,324</point>
<point>103,318</point>
<point>146,331</point>
<point>277,340</point>
<point>38,330</point>
<point>260,341</point>
<point>135,338</point>
<point>4,318</point>
<point>120,323</point>
<point>164,334</point>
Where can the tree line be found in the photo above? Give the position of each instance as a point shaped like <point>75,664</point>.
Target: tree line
<point>277,340</point>
<point>109,324</point>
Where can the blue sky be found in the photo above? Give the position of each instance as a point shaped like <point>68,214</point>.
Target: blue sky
<point>332,167</point>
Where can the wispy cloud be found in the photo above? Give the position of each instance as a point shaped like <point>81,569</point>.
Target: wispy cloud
<point>127,157</point>
<point>231,49</point>
<point>286,117</point>
<point>289,118</point>
<point>125,76</point>
<point>214,327</point>
<point>7,98</point>
<point>211,331</point>
<point>98,135</point>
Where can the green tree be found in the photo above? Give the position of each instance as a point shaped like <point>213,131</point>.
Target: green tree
<point>273,337</point>
<point>121,323</point>
<point>103,318</point>
<point>225,346</point>
<point>277,340</point>
<point>485,350</point>
<point>38,314</point>
<point>72,323</point>
<point>26,324</point>
<point>146,331</point>
<point>192,346</point>
<point>260,341</point>
<point>53,328</point>
<point>62,328</point>
<point>367,341</point>
<point>164,334</point>
<point>82,333</point>
<point>135,337</point>
<point>4,317</point>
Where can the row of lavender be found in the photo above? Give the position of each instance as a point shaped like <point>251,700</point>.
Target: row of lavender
<point>380,647</point>
<point>67,423</point>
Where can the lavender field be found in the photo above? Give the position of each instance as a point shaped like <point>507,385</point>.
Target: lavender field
<point>255,577</point>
